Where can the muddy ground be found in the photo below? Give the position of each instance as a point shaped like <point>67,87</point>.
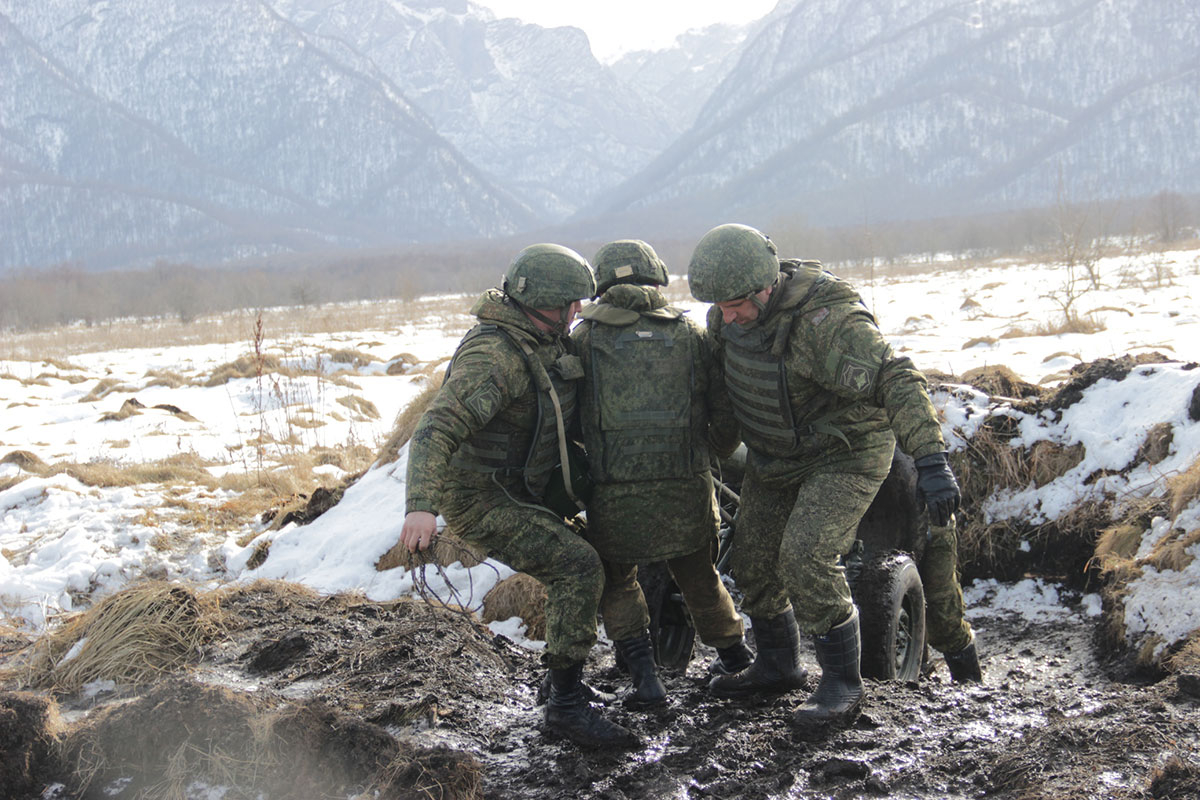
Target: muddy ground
<point>1055,718</point>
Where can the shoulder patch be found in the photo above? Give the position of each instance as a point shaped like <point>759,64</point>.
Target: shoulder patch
<point>484,402</point>
<point>818,316</point>
<point>855,375</point>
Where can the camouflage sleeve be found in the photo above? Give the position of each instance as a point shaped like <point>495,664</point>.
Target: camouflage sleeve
<point>485,375</point>
<point>849,356</point>
<point>723,435</point>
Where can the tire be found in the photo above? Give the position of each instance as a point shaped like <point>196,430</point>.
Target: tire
<point>671,629</point>
<point>891,603</point>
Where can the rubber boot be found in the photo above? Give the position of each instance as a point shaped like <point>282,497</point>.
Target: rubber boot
<point>638,654</point>
<point>734,658</point>
<point>964,665</point>
<point>776,668</point>
<point>840,692</point>
<point>568,713</point>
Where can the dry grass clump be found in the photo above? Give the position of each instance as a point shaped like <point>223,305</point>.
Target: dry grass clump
<point>361,406</point>
<point>1157,445</point>
<point>103,388</point>
<point>25,461</point>
<point>245,367</point>
<point>447,549</point>
<point>1183,489</point>
<point>979,340</point>
<point>1170,552</point>
<point>134,636</point>
<point>1069,323</point>
<point>354,358</point>
<point>521,596</point>
<point>1000,382</point>
<point>176,469</point>
<point>165,377</point>
<point>130,408</point>
<point>1048,461</point>
<point>399,365</point>
<point>406,423</point>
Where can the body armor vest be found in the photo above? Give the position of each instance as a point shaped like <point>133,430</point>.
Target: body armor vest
<point>503,446</point>
<point>756,380</point>
<point>641,387</point>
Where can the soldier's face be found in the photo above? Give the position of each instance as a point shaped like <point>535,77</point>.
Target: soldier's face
<point>742,311</point>
<point>553,313</point>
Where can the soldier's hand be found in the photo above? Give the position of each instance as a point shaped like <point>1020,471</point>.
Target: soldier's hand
<point>937,488</point>
<point>418,531</point>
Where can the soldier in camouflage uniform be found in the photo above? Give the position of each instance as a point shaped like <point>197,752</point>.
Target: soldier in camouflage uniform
<point>483,453</point>
<point>821,400</point>
<point>651,406</point>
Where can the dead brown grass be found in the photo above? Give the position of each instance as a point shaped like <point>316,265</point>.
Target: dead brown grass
<point>361,406</point>
<point>1170,552</point>
<point>518,596</point>
<point>144,631</point>
<point>25,460</point>
<point>446,550</point>
<point>406,422</point>
<point>1183,489</point>
<point>103,388</point>
<point>130,408</point>
<point>245,367</point>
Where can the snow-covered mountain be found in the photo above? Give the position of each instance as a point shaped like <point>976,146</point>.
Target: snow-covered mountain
<point>209,129</point>
<point>133,130</point>
<point>531,106</point>
<point>847,111</point>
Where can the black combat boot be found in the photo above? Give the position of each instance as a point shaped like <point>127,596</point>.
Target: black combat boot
<point>776,668</point>
<point>638,655</point>
<point>590,693</point>
<point>840,692</point>
<point>964,665</point>
<point>568,713</point>
<point>734,658</point>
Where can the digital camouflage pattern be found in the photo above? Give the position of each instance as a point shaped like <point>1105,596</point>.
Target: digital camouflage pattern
<point>549,276</point>
<point>790,537</point>
<point>731,262</point>
<point>652,410</point>
<point>948,631</point>
<point>849,398</point>
<point>636,514</point>
<point>628,261</point>
<point>489,390</point>
<point>623,606</point>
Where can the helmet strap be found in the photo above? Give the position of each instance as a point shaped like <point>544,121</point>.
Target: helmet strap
<point>557,326</point>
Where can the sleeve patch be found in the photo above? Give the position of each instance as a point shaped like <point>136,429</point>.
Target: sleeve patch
<point>857,376</point>
<point>818,316</point>
<point>484,402</point>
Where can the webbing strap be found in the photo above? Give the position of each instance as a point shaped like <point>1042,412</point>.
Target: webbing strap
<point>540,376</point>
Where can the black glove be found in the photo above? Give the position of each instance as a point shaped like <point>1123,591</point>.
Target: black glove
<point>937,488</point>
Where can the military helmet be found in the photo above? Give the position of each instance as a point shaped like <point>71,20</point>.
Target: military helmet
<point>548,276</point>
<point>731,262</point>
<point>628,261</point>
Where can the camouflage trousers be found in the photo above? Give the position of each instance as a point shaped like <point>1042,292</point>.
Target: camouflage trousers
<point>791,536</point>
<point>623,605</point>
<point>947,630</point>
<point>535,541</point>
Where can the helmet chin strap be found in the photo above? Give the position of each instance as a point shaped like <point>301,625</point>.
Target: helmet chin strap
<point>557,326</point>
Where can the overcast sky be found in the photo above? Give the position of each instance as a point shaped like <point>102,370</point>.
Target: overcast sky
<point>619,26</point>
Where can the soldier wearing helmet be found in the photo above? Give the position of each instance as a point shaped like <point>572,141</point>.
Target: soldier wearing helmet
<point>484,452</point>
<point>822,401</point>
<point>652,410</point>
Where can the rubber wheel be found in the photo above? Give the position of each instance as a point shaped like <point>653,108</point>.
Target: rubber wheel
<point>891,603</point>
<point>671,629</point>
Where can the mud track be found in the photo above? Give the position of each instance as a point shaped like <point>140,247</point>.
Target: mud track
<point>1053,719</point>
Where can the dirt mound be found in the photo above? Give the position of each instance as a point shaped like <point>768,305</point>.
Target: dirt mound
<point>1085,375</point>
<point>182,732</point>
<point>29,728</point>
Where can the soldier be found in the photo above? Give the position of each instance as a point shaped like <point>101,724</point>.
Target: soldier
<point>652,407</point>
<point>822,400</point>
<point>483,453</point>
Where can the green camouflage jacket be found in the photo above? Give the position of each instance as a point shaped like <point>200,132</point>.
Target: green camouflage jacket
<point>846,390</point>
<point>490,407</point>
